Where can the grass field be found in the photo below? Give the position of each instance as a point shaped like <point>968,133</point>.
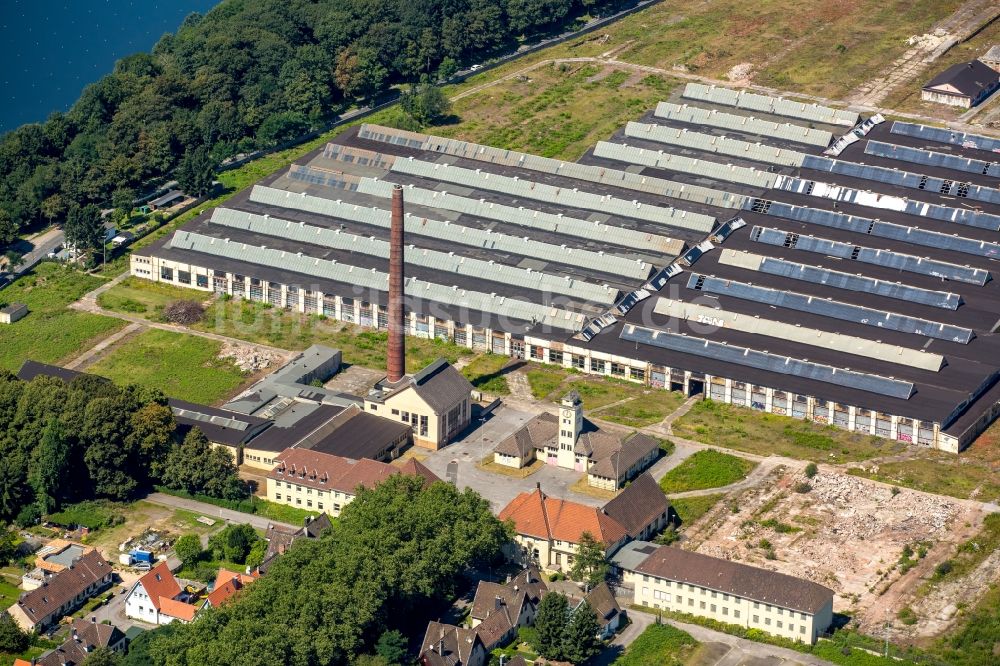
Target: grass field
<point>975,473</point>
<point>690,509</point>
<point>649,407</point>
<point>545,381</point>
<point>255,322</point>
<point>51,333</point>
<point>144,298</point>
<point>706,469</point>
<point>484,373</point>
<point>659,645</point>
<point>182,366</point>
<point>744,429</point>
<point>557,110</point>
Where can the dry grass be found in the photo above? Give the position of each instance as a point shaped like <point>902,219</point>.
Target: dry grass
<point>583,488</point>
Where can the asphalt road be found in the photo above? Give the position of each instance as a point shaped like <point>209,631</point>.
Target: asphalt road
<point>34,250</point>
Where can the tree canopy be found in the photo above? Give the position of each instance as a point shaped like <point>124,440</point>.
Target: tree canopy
<point>590,566</point>
<point>396,552</point>
<point>245,76</point>
<point>62,443</point>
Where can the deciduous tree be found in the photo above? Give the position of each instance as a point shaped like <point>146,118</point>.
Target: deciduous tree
<point>590,566</point>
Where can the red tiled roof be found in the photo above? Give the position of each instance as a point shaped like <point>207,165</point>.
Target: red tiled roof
<point>329,472</point>
<point>416,468</point>
<point>178,609</point>
<point>227,584</point>
<point>536,514</point>
<point>159,584</point>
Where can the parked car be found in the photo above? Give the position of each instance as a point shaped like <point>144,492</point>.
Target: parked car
<point>54,252</point>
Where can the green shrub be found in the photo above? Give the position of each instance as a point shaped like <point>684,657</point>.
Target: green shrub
<point>811,470</point>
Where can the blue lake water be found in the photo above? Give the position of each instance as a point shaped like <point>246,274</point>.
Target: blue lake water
<point>51,49</point>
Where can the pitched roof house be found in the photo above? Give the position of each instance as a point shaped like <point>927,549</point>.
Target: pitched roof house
<point>84,638</point>
<point>448,645</point>
<point>609,458</point>
<point>547,529</point>
<point>499,609</point>
<point>609,614</point>
<point>280,538</point>
<point>965,84</point>
<point>157,598</point>
<point>227,584</point>
<point>62,593</point>
<point>642,508</point>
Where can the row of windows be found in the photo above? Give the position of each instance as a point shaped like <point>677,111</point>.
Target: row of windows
<point>309,491</point>
<point>713,608</point>
<point>714,594</point>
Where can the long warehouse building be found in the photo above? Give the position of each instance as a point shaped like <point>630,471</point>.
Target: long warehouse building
<point>783,256</point>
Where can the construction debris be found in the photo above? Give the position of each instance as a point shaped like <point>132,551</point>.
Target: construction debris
<point>247,359</point>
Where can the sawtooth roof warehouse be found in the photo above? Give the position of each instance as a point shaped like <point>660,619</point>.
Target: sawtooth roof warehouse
<point>788,257</point>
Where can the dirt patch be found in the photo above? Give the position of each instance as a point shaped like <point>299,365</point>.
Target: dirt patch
<point>848,534</point>
<point>741,73</point>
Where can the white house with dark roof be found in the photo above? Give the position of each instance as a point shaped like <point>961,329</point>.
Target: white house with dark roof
<point>568,440</point>
<point>965,84</point>
<point>683,581</point>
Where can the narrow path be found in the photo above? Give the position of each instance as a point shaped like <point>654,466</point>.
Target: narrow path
<point>967,20</point>
<point>86,304</point>
<point>212,511</point>
<point>90,356</point>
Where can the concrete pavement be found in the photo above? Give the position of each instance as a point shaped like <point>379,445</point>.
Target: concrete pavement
<point>34,250</point>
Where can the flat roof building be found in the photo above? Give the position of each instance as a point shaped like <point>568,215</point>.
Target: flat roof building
<point>710,248</point>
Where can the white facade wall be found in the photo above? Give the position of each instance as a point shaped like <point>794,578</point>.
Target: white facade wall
<point>562,354</point>
<point>660,593</point>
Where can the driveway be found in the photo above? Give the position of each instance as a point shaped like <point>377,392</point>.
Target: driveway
<point>212,511</point>
<point>34,250</point>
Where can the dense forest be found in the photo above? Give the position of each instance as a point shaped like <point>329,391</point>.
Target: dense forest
<point>393,560</point>
<point>247,75</point>
<point>64,443</point>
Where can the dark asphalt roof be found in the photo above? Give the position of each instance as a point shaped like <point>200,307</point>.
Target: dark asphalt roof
<point>31,369</point>
<point>761,585</point>
<point>219,425</point>
<point>355,434</point>
<point>938,396</point>
<point>278,438</point>
<point>639,505</point>
<point>969,78</point>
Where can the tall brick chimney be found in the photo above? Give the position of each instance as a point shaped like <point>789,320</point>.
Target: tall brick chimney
<point>397,353</point>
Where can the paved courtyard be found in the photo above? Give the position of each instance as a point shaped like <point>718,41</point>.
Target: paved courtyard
<point>457,462</point>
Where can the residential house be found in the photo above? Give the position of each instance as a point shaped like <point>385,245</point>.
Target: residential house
<point>435,402</point>
<point>965,84</point>
<point>227,584</point>
<point>448,645</point>
<point>683,581</point>
<point>84,637</point>
<point>609,614</point>
<point>642,508</point>
<point>157,598</point>
<point>498,610</point>
<point>280,538</point>
<point>610,459</point>
<point>548,530</point>
<point>62,593</point>
<point>327,483</point>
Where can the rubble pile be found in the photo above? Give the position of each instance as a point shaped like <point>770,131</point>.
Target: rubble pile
<point>740,72</point>
<point>247,359</point>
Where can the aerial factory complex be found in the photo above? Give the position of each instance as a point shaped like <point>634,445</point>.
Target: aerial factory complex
<point>770,253</point>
